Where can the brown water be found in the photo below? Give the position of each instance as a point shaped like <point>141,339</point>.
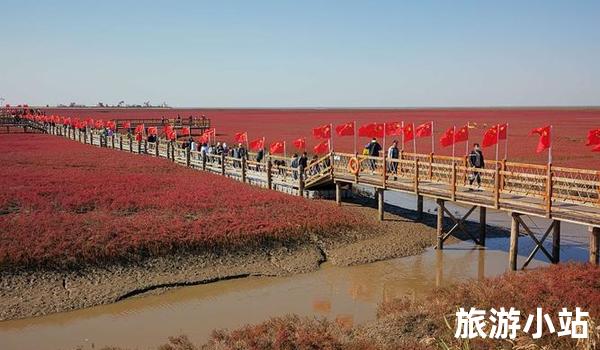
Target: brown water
<point>348,294</point>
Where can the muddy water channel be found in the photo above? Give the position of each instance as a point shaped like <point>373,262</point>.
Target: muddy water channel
<point>348,294</point>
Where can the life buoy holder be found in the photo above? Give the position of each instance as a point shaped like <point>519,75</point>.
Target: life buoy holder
<point>353,165</point>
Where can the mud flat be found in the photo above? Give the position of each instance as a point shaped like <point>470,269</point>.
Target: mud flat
<point>35,292</point>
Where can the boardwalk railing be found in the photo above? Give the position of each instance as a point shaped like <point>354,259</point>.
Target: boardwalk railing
<point>562,193</point>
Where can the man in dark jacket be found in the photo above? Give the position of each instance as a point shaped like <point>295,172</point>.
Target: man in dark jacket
<point>477,162</point>
<point>374,149</point>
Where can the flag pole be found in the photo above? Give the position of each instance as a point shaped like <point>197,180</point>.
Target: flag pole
<point>247,146</point>
<point>432,139</point>
<point>414,140</point>
<point>284,150</point>
<point>467,143</point>
<point>497,142</point>
<point>355,132</point>
<point>550,148</point>
<point>453,140</point>
<point>384,126</point>
<point>331,137</point>
<point>506,143</point>
<point>402,126</point>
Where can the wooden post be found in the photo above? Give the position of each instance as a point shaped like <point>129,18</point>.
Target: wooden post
<point>440,223</point>
<point>416,175</point>
<point>156,153</point>
<point>503,168</point>
<point>301,180</point>
<point>223,164</point>
<point>555,241</point>
<point>244,167</point>
<point>121,142</point>
<point>594,245</point>
<point>112,141</point>
<point>482,225</point>
<point>380,203</point>
<point>513,251</point>
<point>187,157</point>
<point>139,150</point>
<point>130,144</point>
<point>497,187</point>
<point>419,207</point>
<point>146,146</point>
<point>173,144</point>
<point>269,175</point>
<point>204,161</point>
<point>453,185</point>
<point>338,193</point>
<point>384,170</point>
<point>549,191</point>
<point>84,136</point>
<point>358,172</point>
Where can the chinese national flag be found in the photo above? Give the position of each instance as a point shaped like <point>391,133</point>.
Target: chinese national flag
<point>257,144</point>
<point>241,137</point>
<point>90,122</point>
<point>447,138</point>
<point>462,134</point>
<point>596,149</point>
<point>111,125</point>
<point>345,129</point>
<point>172,135</point>
<point>424,129</point>
<point>322,132</point>
<point>490,137</point>
<point>152,130</point>
<point>185,131</point>
<point>277,147</point>
<point>126,125</point>
<point>139,129</point>
<point>503,131</point>
<point>393,129</point>
<point>138,137</point>
<point>593,138</point>
<point>544,141</point>
<point>322,147</point>
<point>168,129</point>
<point>409,132</point>
<point>99,124</point>
<point>371,130</point>
<point>300,143</point>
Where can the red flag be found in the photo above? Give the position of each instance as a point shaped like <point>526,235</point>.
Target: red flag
<point>126,125</point>
<point>371,130</point>
<point>409,132</point>
<point>503,131</point>
<point>322,132</point>
<point>593,138</point>
<point>185,131</point>
<point>277,147</point>
<point>152,130</point>
<point>139,129</point>
<point>393,129</point>
<point>99,124</point>
<point>462,134</point>
<point>322,147</point>
<point>345,129</point>
<point>257,144</point>
<point>172,135</point>
<point>424,129</point>
<point>490,137</point>
<point>447,138</point>
<point>111,125</point>
<point>300,143</point>
<point>241,137</point>
<point>544,141</point>
<point>168,129</point>
<point>138,137</point>
<point>596,149</point>
<point>90,122</point>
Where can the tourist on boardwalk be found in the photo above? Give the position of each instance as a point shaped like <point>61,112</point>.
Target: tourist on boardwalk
<point>476,161</point>
<point>314,165</point>
<point>192,144</point>
<point>393,153</point>
<point>242,153</point>
<point>303,161</point>
<point>374,149</point>
<point>259,157</point>
<point>295,163</point>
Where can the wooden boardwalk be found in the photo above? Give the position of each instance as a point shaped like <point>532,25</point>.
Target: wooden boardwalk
<point>557,193</point>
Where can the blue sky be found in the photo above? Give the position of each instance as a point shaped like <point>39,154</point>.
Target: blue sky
<point>301,53</point>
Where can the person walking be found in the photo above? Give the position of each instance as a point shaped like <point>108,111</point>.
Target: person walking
<point>393,153</point>
<point>374,149</point>
<point>477,162</point>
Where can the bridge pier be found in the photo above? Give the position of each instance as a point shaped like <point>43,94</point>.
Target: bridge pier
<point>380,203</point>
<point>338,193</point>
<point>440,223</point>
<point>419,207</point>
<point>514,241</point>
<point>482,225</point>
<point>594,245</point>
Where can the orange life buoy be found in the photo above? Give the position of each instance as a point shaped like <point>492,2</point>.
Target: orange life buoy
<point>353,166</point>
